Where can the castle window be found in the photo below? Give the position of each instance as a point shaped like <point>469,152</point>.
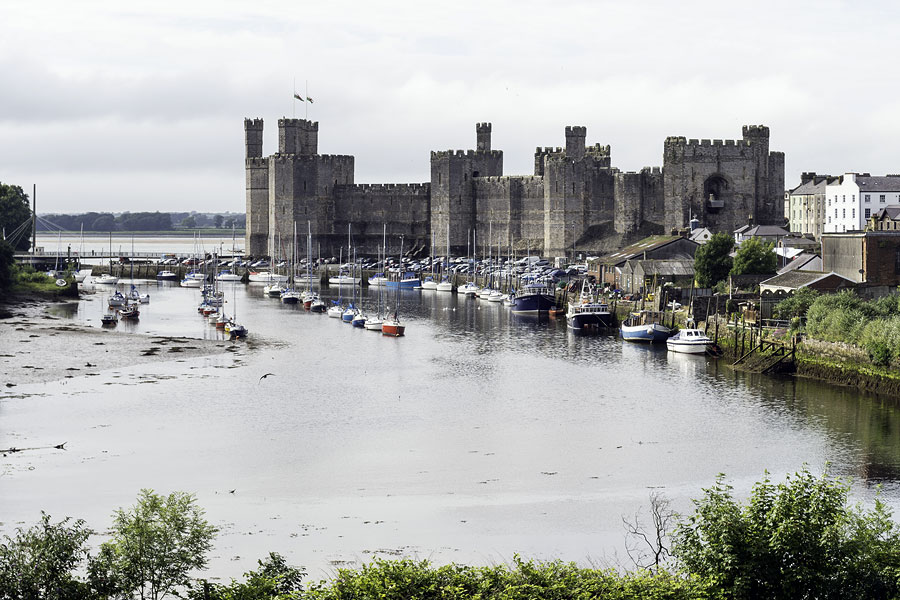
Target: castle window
<point>304,186</point>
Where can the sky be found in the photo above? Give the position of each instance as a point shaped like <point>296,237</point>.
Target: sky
<point>115,106</point>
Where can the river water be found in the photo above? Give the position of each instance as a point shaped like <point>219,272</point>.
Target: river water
<point>123,244</point>
<point>476,436</point>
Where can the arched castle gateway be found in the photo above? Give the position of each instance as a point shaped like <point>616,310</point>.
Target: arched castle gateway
<point>574,196</point>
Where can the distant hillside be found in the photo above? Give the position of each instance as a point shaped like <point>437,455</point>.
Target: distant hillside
<point>139,221</point>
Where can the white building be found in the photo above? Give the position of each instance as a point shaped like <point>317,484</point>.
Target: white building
<point>851,199</point>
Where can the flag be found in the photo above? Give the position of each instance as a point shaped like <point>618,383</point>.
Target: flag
<point>300,98</point>
<point>308,99</point>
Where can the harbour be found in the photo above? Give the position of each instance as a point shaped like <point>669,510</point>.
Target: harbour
<point>477,435</point>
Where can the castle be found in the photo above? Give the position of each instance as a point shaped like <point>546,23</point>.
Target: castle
<point>575,198</point>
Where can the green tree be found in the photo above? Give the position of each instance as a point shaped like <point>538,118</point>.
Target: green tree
<point>7,263</point>
<point>711,261</point>
<point>155,544</point>
<point>15,216</point>
<point>217,221</point>
<point>189,222</point>
<point>39,562</point>
<point>754,257</point>
<point>796,304</point>
<point>796,539</point>
<point>274,579</point>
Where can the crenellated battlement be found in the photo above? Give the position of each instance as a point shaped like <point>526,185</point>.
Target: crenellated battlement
<point>418,189</point>
<point>437,154</point>
<point>304,123</point>
<point>651,171</point>
<point>547,150</point>
<point>483,127</point>
<point>577,130</point>
<point>253,124</point>
<point>597,149</point>
<point>757,131</point>
<point>256,162</point>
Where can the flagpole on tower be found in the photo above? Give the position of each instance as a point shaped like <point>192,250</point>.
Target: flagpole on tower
<point>294,101</point>
<point>306,95</point>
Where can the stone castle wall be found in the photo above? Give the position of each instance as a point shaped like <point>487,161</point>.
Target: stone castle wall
<point>574,195</point>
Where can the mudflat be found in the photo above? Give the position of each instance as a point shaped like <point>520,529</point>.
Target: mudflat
<point>36,346</point>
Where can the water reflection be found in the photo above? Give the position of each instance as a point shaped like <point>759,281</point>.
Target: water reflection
<point>454,436</point>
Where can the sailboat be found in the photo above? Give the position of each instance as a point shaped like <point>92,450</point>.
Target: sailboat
<point>82,274</point>
<point>446,285</point>
<point>469,288</point>
<point>108,278</point>
<point>391,325</point>
<point>430,283</point>
<point>379,279</point>
<point>232,328</point>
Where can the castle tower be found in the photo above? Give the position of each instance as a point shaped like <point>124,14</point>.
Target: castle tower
<point>298,136</point>
<point>257,189</point>
<point>253,137</point>
<point>575,136</point>
<point>483,136</point>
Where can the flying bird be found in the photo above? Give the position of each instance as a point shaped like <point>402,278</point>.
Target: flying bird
<point>264,376</point>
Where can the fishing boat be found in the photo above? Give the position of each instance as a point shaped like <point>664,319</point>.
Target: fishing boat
<point>589,315</point>
<point>689,341</point>
<point>404,281</point>
<point>109,319</point>
<point>535,299</point>
<point>166,275</point>
<point>642,327</point>
<point>130,311</point>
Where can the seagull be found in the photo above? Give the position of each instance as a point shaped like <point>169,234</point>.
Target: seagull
<point>264,376</point>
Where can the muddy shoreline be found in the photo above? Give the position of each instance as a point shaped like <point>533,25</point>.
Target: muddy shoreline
<point>30,334</point>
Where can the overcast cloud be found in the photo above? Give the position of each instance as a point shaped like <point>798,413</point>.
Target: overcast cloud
<point>140,106</point>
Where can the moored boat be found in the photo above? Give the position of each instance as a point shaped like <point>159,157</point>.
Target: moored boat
<point>642,327</point>
<point>228,275</point>
<point>689,341</point>
<point>266,277</point>
<point>166,276</point>
<point>534,298</point>
<point>106,279</point>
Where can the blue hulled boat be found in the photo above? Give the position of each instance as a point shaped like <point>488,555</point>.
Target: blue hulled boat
<point>641,327</point>
<point>534,299</point>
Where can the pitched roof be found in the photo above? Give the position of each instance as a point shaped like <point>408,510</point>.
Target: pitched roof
<point>647,244</point>
<point>891,212</point>
<point>800,261</point>
<point>766,231</point>
<point>810,188</point>
<point>669,267</point>
<point>798,279</point>
<point>878,184</point>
